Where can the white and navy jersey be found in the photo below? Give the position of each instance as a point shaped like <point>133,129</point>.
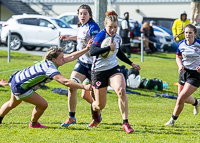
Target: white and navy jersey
<point>86,32</point>
<point>100,63</point>
<point>190,54</point>
<point>37,75</point>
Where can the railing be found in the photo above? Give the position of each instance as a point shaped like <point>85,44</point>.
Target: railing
<point>112,1</point>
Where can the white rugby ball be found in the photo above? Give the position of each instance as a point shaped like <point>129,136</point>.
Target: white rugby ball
<point>105,43</point>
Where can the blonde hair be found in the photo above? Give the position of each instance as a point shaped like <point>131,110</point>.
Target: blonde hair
<point>111,16</point>
<point>145,25</point>
<point>53,52</point>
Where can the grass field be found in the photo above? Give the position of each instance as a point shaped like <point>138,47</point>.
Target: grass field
<point>147,113</point>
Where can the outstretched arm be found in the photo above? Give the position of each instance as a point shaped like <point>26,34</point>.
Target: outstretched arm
<point>77,54</point>
<point>69,83</point>
<point>66,38</point>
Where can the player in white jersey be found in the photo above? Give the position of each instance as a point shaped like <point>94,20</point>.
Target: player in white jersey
<point>188,61</point>
<point>24,83</point>
<point>82,70</point>
<point>106,71</point>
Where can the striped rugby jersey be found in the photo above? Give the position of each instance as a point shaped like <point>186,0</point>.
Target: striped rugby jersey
<point>100,63</point>
<point>190,54</point>
<point>37,75</point>
<point>86,32</point>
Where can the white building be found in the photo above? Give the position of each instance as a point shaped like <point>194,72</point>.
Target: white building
<point>137,8</point>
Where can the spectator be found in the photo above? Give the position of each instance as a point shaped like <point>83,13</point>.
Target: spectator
<point>124,33</point>
<point>136,33</point>
<point>153,38</point>
<point>145,29</point>
<point>195,6</point>
<point>179,25</point>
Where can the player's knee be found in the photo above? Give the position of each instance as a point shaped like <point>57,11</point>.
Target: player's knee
<point>75,79</point>
<point>180,101</point>
<point>121,91</point>
<point>43,106</point>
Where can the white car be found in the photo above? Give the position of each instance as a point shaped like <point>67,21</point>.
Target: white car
<point>1,22</point>
<point>164,37</point>
<point>33,31</point>
<point>70,18</point>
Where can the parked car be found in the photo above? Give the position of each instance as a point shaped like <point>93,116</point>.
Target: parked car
<point>33,31</point>
<point>1,22</point>
<point>164,37</point>
<point>70,18</point>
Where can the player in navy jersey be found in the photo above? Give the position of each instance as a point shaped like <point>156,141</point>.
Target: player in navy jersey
<point>82,70</point>
<point>24,83</point>
<point>188,61</point>
<point>106,71</point>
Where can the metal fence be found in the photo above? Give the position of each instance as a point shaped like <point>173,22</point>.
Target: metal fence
<point>112,1</point>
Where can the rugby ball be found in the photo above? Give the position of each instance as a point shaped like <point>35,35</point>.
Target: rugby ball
<point>105,43</point>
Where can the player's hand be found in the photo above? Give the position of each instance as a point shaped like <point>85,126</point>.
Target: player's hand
<point>180,69</point>
<point>89,44</point>
<point>64,37</point>
<point>135,66</point>
<point>112,45</point>
<point>198,69</point>
<point>87,87</point>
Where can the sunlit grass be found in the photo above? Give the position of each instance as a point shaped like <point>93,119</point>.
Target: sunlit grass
<point>147,113</point>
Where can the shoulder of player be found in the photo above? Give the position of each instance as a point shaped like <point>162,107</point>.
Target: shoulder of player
<point>100,36</point>
<point>93,24</point>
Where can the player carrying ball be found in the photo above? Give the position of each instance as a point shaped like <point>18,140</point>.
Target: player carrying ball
<point>106,71</point>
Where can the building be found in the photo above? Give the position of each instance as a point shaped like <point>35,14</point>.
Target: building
<point>136,8</point>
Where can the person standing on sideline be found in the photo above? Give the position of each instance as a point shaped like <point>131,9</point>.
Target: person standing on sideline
<point>195,9</point>
<point>24,83</point>
<point>125,34</point>
<point>82,70</point>
<point>106,70</point>
<point>187,59</point>
<point>179,25</point>
<point>153,38</point>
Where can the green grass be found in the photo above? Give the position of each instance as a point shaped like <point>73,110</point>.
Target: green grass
<point>147,113</point>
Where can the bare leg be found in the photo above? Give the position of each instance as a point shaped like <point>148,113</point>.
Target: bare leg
<point>182,97</point>
<point>190,99</point>
<point>40,106</point>
<point>9,105</point>
<point>88,95</point>
<point>117,82</point>
<point>72,93</point>
<point>100,99</point>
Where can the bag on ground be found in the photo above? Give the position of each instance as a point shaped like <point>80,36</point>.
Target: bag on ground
<point>155,84</point>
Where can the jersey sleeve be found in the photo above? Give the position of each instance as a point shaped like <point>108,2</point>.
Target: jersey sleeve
<point>178,52</point>
<point>94,29</point>
<point>52,70</point>
<point>99,38</point>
